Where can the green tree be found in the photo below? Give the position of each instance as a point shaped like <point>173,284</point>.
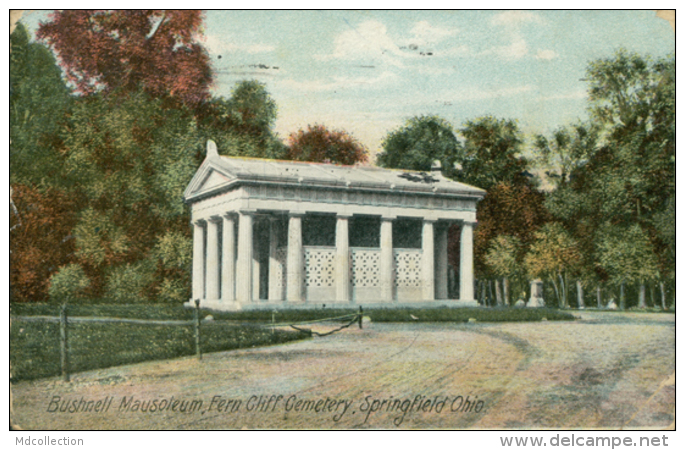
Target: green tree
<point>626,253</point>
<point>39,102</point>
<point>492,153</point>
<point>133,159</point>
<point>422,140</point>
<point>242,125</point>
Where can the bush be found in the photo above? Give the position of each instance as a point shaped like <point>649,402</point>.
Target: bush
<point>128,283</point>
<point>68,284</point>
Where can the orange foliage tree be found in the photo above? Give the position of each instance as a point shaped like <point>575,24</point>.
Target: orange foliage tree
<point>319,144</point>
<point>41,239</point>
<point>122,50</point>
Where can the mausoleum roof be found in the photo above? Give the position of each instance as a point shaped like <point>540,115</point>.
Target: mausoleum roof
<point>219,173</point>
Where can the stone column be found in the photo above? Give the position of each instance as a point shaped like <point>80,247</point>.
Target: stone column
<point>295,263</point>
<point>228,259</point>
<point>466,263</point>
<point>386,269</point>
<point>342,255</point>
<point>256,257</point>
<point>244,265</point>
<point>213,267</point>
<point>198,260</point>
<point>428,260</point>
<point>441,287</point>
<point>275,291</point>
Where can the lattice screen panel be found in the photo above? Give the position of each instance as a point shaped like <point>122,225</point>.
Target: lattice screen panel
<point>281,256</point>
<point>366,265</point>
<point>319,266</point>
<point>407,268</point>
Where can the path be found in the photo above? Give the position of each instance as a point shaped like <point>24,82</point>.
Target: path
<point>593,373</point>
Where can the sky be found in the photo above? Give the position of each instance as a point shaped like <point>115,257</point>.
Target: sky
<point>367,72</point>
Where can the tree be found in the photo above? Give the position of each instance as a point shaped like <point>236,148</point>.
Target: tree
<point>492,153</point>
<point>504,258</point>
<point>568,149</point>
<point>43,241</point>
<point>133,160</point>
<point>319,144</point>
<point>420,142</point>
<point>126,50</point>
<point>627,255</point>
<point>39,103</point>
<point>242,125</point>
<point>552,255</point>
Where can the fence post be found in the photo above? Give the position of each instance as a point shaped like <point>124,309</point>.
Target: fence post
<point>196,313</point>
<point>361,313</point>
<point>63,349</point>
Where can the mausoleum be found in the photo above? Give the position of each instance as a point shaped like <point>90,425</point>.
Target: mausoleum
<point>277,234</point>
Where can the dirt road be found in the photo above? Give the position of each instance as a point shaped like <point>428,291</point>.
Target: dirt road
<point>597,372</point>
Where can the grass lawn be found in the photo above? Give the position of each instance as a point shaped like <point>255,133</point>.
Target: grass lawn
<point>34,345</point>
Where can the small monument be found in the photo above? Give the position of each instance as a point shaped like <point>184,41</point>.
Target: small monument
<point>536,300</point>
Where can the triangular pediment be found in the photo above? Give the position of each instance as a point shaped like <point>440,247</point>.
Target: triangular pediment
<point>207,178</point>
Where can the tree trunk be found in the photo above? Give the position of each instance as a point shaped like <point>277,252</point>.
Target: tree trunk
<point>498,293</point>
<point>564,297</point>
<point>556,291</point>
<point>599,296</point>
<point>505,285</point>
<point>663,295</point>
<point>484,293</point>
<point>490,289</point>
<point>651,295</point>
<point>622,297</point>
<point>579,288</point>
<point>642,302</point>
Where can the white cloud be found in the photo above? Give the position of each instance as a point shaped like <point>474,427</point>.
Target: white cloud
<point>368,40</point>
<point>546,54</point>
<point>424,33</point>
<point>514,19</point>
<point>516,50</point>
<point>218,45</point>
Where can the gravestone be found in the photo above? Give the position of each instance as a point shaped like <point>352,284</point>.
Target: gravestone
<point>536,300</point>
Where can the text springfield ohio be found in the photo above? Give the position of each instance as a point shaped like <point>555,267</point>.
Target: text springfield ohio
<point>337,408</point>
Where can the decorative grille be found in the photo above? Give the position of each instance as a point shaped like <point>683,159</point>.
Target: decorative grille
<point>407,268</point>
<point>365,265</point>
<point>319,266</point>
<point>281,256</point>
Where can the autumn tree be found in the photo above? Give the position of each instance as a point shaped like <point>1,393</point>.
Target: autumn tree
<point>552,255</point>
<point>126,50</point>
<point>319,144</point>
<point>42,241</point>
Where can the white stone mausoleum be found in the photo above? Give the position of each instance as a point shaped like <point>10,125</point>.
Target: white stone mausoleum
<point>276,234</point>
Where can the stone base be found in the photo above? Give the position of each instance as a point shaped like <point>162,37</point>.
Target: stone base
<point>279,305</point>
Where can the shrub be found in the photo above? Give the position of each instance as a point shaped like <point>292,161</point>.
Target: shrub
<point>68,284</point>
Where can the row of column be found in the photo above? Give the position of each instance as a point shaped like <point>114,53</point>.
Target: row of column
<point>231,278</point>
